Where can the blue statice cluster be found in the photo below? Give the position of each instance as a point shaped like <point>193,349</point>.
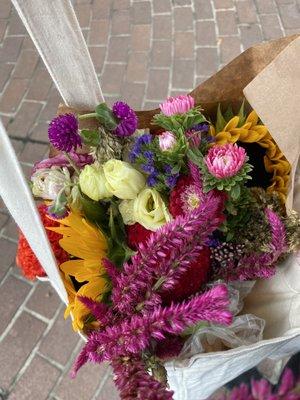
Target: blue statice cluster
<point>144,154</point>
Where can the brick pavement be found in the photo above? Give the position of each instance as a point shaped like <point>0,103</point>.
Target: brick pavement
<point>142,51</point>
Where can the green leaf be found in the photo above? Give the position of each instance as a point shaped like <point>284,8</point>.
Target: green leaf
<point>228,114</point>
<point>106,117</point>
<point>94,211</point>
<point>194,329</point>
<point>235,192</point>
<point>90,137</point>
<point>221,122</point>
<point>242,115</point>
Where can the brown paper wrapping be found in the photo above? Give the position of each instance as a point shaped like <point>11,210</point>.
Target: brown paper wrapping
<point>268,74</point>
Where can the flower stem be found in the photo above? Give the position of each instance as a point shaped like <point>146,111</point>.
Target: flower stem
<point>87,116</point>
<point>73,165</point>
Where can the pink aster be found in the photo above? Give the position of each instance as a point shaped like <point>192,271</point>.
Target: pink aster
<point>177,105</point>
<point>226,160</point>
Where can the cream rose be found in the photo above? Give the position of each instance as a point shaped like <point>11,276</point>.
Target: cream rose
<point>148,209</point>
<point>123,181</point>
<point>93,183</point>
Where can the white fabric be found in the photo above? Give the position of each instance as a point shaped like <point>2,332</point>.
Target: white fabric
<point>55,31</point>
<point>17,196</point>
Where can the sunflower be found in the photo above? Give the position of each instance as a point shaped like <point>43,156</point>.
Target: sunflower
<point>250,131</point>
<point>88,245</point>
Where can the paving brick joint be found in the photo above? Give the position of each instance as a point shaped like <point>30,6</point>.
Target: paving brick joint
<point>143,51</point>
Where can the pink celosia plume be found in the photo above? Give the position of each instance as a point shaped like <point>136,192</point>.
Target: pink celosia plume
<point>177,105</point>
<point>225,161</point>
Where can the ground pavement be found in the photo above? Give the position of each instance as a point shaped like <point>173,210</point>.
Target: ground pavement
<point>142,51</point>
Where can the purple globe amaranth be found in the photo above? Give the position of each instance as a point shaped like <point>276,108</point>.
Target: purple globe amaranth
<point>63,132</point>
<point>128,121</point>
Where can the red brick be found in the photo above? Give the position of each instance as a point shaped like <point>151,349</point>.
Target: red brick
<point>11,230</point>
<point>182,2</point>
<point>230,48</point>
<point>137,67</point>
<point>161,6</point>
<point>221,4</point>
<point>158,84</point>
<point>141,12</point>
<point>60,340</point>
<point>39,131</point>
<point>112,78</point>
<point>50,109</point>
<point>33,152</point>
<point>250,35</point>
<point>16,26</point>
<point>26,64</point>
<point>37,381</point>
<point>83,13</point>
<point>226,23</point>
<point>109,390</point>
<point>183,74</point>
<point>133,94</point>
<point>40,85</point>
<point>162,27</point>
<point>5,8</point>
<point>270,26</point>
<point>11,48</point>
<point>44,300</point>
<point>3,220</point>
<point>28,44</point>
<point>207,61</point>
<point>25,119</point>
<point>118,48</point>
<point>99,32</point>
<point>246,11</point>
<point>13,293</point>
<point>85,384</point>
<point>206,33</point>
<point>266,6</point>
<point>3,26</point>
<point>140,37</point>
<point>120,23</point>
<point>151,105</point>
<point>13,94</point>
<point>19,342</point>
<point>98,57</point>
<point>161,53</point>
<point>184,44</point>
<point>18,145</point>
<point>183,19</point>
<point>101,9</point>
<point>178,92</point>
<point>290,15</point>
<point>203,9</point>
<point>5,71</point>
<point>121,4</point>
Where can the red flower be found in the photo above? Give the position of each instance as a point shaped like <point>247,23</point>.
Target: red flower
<point>136,234</point>
<point>191,281</point>
<point>26,259</point>
<point>176,203</point>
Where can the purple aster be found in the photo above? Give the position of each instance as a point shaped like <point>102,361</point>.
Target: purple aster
<point>128,121</point>
<point>63,132</point>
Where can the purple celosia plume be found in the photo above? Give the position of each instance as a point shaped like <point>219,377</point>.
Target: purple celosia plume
<point>128,121</point>
<point>134,382</point>
<point>63,132</point>
<point>262,265</point>
<point>80,160</point>
<point>132,335</point>
<point>98,309</point>
<point>169,252</point>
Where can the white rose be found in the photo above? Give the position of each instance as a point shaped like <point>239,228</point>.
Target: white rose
<point>123,181</point>
<point>93,183</point>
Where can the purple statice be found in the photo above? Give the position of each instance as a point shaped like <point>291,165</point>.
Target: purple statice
<point>262,265</point>
<point>127,119</point>
<point>152,179</point>
<point>166,255</point>
<point>133,381</point>
<point>80,160</point>
<point>134,334</point>
<point>202,127</point>
<point>63,132</point>
<point>148,168</point>
<point>137,149</point>
<point>171,180</point>
<point>57,213</point>
<point>148,154</point>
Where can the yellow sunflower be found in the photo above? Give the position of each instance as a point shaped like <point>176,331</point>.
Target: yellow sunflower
<point>253,132</point>
<point>88,245</point>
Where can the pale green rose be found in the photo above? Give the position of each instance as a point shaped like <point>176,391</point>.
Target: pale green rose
<point>148,209</point>
<point>93,183</point>
<point>123,181</point>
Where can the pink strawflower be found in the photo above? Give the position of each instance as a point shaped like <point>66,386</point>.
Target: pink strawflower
<point>177,105</point>
<point>226,160</point>
<point>167,141</point>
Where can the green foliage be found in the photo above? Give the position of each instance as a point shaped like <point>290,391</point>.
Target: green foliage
<point>90,137</point>
<point>59,206</point>
<point>106,117</point>
<point>180,121</point>
<point>224,117</point>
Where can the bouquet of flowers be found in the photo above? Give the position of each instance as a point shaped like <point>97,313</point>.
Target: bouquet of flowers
<point>151,228</point>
